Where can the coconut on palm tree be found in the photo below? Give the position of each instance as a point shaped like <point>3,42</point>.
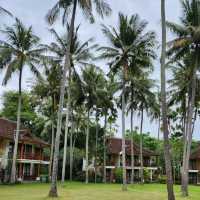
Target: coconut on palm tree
<point>19,49</point>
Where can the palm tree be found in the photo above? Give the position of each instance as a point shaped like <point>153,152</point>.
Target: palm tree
<point>80,54</point>
<point>168,165</point>
<point>18,50</point>
<point>93,80</point>
<point>127,43</point>
<point>47,88</point>
<point>187,43</point>
<point>86,6</point>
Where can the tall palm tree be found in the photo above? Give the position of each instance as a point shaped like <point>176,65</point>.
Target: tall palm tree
<point>80,54</point>
<point>47,88</point>
<point>168,165</point>
<point>63,6</point>
<point>93,80</point>
<point>20,49</point>
<point>127,43</point>
<point>187,43</point>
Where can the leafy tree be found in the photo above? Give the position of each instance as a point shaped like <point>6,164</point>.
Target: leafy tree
<point>19,49</point>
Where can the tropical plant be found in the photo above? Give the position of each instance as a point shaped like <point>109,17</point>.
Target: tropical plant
<point>187,43</point>
<point>86,6</point>
<point>19,49</point>
<point>127,44</point>
<point>93,81</point>
<point>168,164</point>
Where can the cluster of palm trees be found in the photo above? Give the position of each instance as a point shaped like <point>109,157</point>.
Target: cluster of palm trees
<point>68,64</point>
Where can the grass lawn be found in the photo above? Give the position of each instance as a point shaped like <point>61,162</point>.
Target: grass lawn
<point>80,191</point>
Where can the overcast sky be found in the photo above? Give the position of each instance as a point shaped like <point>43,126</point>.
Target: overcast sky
<point>32,12</point>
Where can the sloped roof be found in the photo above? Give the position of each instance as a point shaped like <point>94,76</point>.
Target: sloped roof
<point>8,129</point>
<point>114,146</point>
<point>195,154</point>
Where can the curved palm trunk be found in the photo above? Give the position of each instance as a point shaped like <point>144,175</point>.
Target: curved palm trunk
<point>141,149</point>
<point>53,190</point>
<point>189,133</point>
<point>104,149</point>
<point>13,169</point>
<point>66,126</point>
<point>132,149</point>
<point>167,155</point>
<point>124,186</point>
<point>86,147</point>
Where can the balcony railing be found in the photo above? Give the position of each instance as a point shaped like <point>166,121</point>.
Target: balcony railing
<point>33,156</point>
<point>136,163</point>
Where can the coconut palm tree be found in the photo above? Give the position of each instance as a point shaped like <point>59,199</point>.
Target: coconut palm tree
<point>187,42</point>
<point>168,164</point>
<point>127,43</point>
<point>63,6</point>
<point>19,49</point>
<point>80,54</point>
<point>47,88</point>
<point>93,80</point>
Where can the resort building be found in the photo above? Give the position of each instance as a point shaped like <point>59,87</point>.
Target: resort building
<point>114,160</point>
<point>31,161</point>
<point>194,170</point>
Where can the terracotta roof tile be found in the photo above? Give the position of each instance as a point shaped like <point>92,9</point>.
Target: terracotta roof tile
<point>114,146</point>
<point>8,128</point>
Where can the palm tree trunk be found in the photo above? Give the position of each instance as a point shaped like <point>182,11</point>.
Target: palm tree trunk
<point>53,190</point>
<point>132,149</point>
<point>159,128</point>
<point>168,165</point>
<point>189,133</point>
<point>72,157</point>
<point>86,147</point>
<point>104,148</point>
<point>141,149</point>
<point>71,153</point>
<point>13,169</point>
<point>66,125</point>
<point>52,149</point>
<point>96,144</point>
<point>124,186</point>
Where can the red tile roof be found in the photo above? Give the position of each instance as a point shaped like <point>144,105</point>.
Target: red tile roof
<point>114,146</point>
<point>8,128</point>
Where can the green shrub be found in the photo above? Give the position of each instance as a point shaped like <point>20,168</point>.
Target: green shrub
<point>146,175</point>
<point>163,179</point>
<point>118,175</point>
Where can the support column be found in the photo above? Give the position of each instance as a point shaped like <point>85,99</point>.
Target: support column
<point>151,175</point>
<point>21,156</point>
<point>32,165</point>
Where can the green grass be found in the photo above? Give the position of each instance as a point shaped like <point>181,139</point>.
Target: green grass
<point>80,191</point>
